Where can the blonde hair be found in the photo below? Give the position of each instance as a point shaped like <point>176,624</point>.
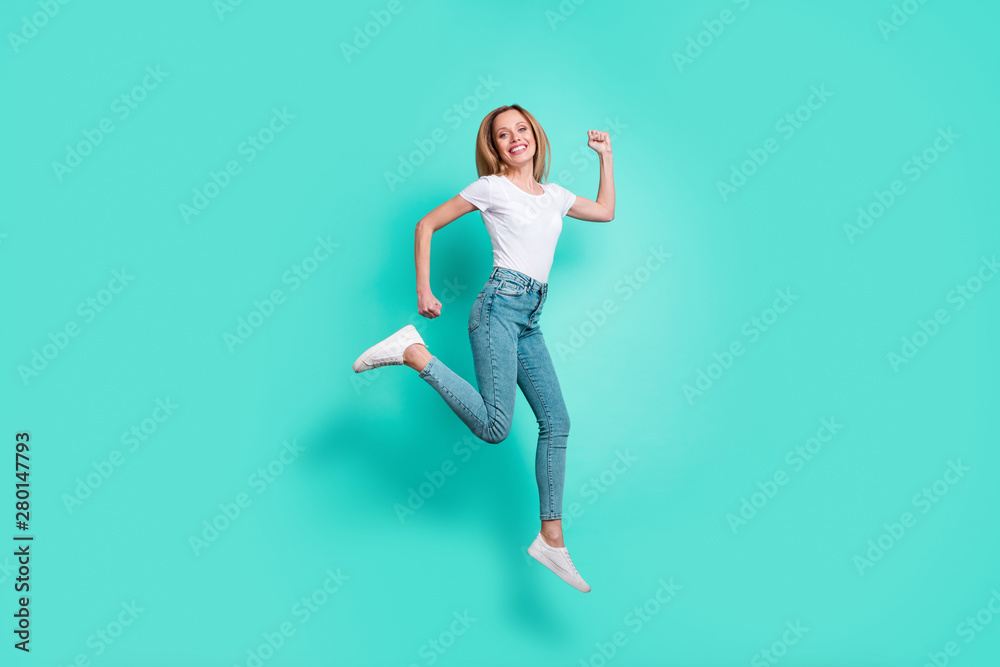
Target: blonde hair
<point>488,160</point>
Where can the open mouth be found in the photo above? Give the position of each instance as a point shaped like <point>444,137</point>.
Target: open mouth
<point>520,148</point>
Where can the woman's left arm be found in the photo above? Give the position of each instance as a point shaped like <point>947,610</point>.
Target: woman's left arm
<point>602,210</point>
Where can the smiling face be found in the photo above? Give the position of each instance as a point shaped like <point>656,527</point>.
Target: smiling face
<point>513,138</point>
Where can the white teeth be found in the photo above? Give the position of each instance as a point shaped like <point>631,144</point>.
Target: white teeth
<point>518,149</point>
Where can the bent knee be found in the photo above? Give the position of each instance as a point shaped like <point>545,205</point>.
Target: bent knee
<point>495,433</point>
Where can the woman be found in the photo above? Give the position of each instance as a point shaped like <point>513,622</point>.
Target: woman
<point>524,219</point>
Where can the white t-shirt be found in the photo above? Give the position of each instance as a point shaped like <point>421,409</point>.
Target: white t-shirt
<point>524,228</point>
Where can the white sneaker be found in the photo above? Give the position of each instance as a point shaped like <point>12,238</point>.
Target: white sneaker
<point>388,352</point>
<point>557,559</point>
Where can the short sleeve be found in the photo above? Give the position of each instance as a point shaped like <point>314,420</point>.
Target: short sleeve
<point>478,192</point>
<point>565,198</point>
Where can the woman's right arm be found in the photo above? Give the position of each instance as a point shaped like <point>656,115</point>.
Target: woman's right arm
<point>448,212</point>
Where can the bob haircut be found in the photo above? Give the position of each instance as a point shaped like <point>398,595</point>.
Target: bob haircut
<point>488,159</point>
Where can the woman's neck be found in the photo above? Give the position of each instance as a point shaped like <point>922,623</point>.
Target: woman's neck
<point>523,177</point>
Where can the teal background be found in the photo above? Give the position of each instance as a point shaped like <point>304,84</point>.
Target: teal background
<point>367,439</point>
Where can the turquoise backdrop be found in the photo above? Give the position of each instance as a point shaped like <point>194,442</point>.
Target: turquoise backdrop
<point>778,358</point>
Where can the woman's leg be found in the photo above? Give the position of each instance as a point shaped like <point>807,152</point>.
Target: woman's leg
<point>416,356</point>
<point>487,412</point>
<point>537,378</point>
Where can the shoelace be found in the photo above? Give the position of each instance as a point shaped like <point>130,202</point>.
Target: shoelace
<point>385,361</point>
<point>572,565</point>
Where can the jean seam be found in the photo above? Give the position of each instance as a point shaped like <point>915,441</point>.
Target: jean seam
<point>493,364</point>
<point>479,317</point>
<point>532,315</point>
<point>548,436</point>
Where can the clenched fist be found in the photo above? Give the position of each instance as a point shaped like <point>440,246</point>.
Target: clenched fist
<point>599,141</point>
<point>428,305</point>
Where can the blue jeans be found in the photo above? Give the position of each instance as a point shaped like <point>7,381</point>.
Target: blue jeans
<point>508,348</point>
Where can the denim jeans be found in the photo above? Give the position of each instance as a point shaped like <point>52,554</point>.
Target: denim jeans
<point>508,349</point>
